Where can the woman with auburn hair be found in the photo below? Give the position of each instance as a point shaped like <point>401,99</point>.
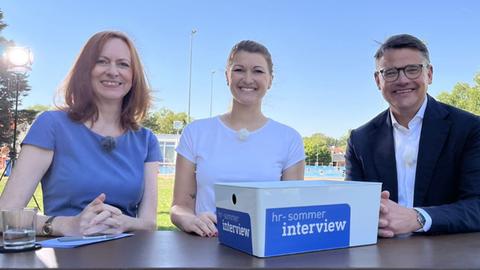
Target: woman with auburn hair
<point>239,146</point>
<point>97,165</point>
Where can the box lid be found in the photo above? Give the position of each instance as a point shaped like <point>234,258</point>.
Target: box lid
<point>295,184</point>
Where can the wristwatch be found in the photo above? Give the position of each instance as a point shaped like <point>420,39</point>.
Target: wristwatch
<point>420,219</point>
<point>47,228</point>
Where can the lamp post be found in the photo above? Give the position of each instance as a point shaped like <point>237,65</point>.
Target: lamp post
<point>192,33</point>
<point>211,91</point>
<point>18,60</point>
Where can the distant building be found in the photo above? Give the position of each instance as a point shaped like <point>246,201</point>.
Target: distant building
<point>168,143</point>
<point>338,156</point>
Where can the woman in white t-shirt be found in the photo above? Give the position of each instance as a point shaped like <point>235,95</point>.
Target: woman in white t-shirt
<point>238,146</point>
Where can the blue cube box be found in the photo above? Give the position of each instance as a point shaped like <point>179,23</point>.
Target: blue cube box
<point>286,217</point>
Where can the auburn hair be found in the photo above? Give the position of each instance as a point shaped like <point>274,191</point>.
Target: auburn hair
<point>78,90</point>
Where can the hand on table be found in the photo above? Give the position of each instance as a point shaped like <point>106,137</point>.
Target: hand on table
<point>395,219</point>
<point>203,224</point>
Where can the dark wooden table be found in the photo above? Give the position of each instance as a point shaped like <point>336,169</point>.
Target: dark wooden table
<point>177,250</point>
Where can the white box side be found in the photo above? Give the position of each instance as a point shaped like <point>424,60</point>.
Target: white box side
<point>254,198</point>
<point>246,202</point>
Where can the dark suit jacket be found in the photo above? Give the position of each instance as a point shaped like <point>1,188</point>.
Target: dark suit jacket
<point>447,181</point>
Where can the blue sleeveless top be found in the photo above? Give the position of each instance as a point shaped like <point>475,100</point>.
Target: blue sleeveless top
<point>81,169</point>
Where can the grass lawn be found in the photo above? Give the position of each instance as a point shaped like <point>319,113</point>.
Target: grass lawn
<point>165,193</point>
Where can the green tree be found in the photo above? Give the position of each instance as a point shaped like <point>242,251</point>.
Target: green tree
<point>464,96</point>
<point>161,122</point>
<point>342,141</point>
<point>9,84</point>
<point>317,149</point>
<point>40,108</point>
<point>3,25</point>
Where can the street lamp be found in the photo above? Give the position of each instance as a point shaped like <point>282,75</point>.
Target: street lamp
<point>190,74</point>
<point>211,91</point>
<point>18,60</point>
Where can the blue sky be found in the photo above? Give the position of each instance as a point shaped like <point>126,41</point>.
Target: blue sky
<point>322,50</point>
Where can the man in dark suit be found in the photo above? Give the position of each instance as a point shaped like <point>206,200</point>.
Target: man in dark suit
<point>426,153</point>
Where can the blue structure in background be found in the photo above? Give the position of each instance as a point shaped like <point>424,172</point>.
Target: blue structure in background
<point>8,168</point>
<point>324,172</point>
<point>167,170</point>
<point>310,171</point>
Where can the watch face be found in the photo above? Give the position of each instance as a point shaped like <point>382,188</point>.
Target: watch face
<point>420,218</point>
<point>47,229</point>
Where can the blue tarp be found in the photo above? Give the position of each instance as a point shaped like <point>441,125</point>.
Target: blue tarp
<point>8,168</point>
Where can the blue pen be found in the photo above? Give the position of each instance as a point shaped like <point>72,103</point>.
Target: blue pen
<point>82,238</point>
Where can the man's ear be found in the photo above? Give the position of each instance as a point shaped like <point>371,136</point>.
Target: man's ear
<point>430,74</point>
<point>377,79</point>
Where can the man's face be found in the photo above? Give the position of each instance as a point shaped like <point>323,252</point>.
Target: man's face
<point>406,93</point>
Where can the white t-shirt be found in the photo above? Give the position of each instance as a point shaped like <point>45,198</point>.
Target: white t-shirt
<point>220,156</point>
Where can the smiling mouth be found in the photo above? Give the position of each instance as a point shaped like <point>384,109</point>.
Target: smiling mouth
<point>247,89</point>
<point>403,91</point>
<point>111,83</point>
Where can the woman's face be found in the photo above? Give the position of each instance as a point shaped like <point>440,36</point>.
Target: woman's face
<point>249,78</point>
<point>112,73</point>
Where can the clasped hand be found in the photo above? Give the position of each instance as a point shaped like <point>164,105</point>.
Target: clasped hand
<point>99,218</point>
<point>395,219</point>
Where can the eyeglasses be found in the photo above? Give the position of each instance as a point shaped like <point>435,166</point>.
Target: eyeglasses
<point>411,71</point>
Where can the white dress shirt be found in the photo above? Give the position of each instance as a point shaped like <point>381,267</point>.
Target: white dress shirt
<point>406,153</point>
